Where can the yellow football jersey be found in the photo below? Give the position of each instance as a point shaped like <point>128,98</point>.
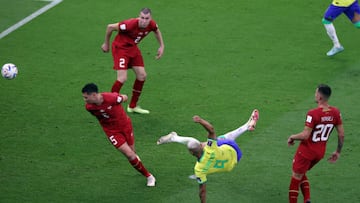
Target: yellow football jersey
<point>343,3</point>
<point>215,159</point>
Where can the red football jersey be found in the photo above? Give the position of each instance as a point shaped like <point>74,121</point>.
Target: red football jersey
<point>110,113</point>
<point>322,122</point>
<point>130,34</point>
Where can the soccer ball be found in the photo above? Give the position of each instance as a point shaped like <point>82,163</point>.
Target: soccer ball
<point>9,71</point>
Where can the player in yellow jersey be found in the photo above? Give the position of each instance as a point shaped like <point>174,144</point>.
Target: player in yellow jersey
<point>218,154</point>
<point>351,9</point>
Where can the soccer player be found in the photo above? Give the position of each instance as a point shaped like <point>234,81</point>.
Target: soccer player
<point>351,9</point>
<point>106,107</point>
<point>319,124</point>
<point>218,154</point>
<point>126,53</point>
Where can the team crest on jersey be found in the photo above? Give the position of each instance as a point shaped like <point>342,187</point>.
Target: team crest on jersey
<point>123,27</point>
<point>308,119</point>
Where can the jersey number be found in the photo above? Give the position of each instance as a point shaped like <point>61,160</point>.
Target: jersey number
<point>322,132</point>
<point>122,63</point>
<point>220,163</point>
<point>113,140</point>
<point>137,40</point>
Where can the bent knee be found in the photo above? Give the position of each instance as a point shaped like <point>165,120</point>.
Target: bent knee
<point>326,21</point>
<point>141,75</point>
<point>121,76</point>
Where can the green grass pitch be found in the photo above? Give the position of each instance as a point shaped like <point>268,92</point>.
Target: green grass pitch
<point>222,59</point>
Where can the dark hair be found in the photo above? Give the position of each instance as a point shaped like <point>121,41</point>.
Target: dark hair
<point>145,10</point>
<point>324,90</point>
<point>90,88</point>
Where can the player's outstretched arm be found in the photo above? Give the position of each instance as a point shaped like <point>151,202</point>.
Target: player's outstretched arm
<point>208,127</point>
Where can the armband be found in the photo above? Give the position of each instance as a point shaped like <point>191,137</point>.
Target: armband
<point>119,99</point>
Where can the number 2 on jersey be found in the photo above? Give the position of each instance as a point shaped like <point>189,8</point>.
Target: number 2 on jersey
<point>122,63</point>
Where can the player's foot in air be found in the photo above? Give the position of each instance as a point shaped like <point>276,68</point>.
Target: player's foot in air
<point>137,109</point>
<point>192,177</point>
<point>335,50</point>
<point>166,138</point>
<point>253,119</point>
<point>151,181</point>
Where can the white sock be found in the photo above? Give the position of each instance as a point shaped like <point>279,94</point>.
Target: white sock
<point>236,133</point>
<point>185,140</point>
<point>330,29</point>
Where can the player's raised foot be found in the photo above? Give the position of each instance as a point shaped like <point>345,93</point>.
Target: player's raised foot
<point>253,119</point>
<point>192,177</point>
<point>137,109</point>
<point>335,50</point>
<point>166,138</point>
<point>151,181</point>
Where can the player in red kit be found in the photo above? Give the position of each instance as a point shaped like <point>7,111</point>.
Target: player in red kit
<point>106,107</point>
<point>319,124</point>
<point>126,53</point>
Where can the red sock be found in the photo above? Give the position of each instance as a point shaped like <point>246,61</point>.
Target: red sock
<point>116,86</point>
<point>294,190</point>
<point>137,164</point>
<point>305,188</point>
<point>138,85</point>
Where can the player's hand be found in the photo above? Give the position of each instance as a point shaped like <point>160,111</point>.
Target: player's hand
<point>334,157</point>
<point>105,47</point>
<point>290,141</point>
<point>160,52</point>
<point>196,119</point>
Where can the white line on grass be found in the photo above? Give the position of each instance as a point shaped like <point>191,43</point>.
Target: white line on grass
<point>30,17</point>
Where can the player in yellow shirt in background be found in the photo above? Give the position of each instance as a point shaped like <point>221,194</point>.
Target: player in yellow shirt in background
<point>351,9</point>
<point>218,154</point>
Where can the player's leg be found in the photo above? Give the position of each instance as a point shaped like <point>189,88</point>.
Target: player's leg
<point>294,188</point>
<point>137,89</point>
<point>138,67</point>
<point>354,14</point>
<point>249,125</point>
<point>305,188</point>
<point>125,144</point>
<point>356,20</point>
<point>330,15</point>
<point>190,142</point>
<point>300,167</point>
<point>121,61</point>
<point>135,161</point>
<point>120,80</point>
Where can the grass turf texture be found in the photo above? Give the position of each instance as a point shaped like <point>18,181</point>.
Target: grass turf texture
<point>220,61</point>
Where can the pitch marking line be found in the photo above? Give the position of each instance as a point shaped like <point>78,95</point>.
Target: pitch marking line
<point>30,17</point>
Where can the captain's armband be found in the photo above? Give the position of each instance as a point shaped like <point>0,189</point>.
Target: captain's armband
<point>119,99</point>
